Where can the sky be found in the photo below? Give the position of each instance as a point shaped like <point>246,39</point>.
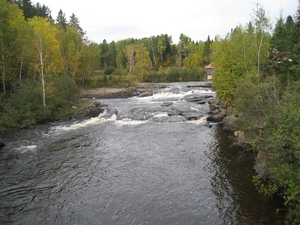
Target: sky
<point>115,20</point>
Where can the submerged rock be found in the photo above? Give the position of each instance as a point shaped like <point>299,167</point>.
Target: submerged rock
<point>2,144</point>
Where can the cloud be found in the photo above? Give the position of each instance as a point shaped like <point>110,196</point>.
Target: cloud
<point>119,19</point>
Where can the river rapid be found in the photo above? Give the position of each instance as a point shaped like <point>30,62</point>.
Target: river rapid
<point>144,160</point>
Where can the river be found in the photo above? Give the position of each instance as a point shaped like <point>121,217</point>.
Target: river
<point>144,160</point>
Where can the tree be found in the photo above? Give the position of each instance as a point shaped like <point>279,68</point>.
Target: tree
<point>195,58</point>
<point>183,49</point>
<point>143,61</point>
<point>46,50</point>
<point>11,22</point>
<point>282,44</point>
<point>207,51</point>
<point>281,150</point>
<point>61,20</point>
<point>130,53</point>
<point>262,28</point>
<point>89,60</point>
<point>74,22</point>
<point>104,53</point>
<point>73,44</point>
<point>120,54</point>
<point>27,8</point>
<point>112,54</point>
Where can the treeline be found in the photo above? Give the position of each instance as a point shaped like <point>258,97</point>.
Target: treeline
<point>257,73</point>
<point>156,59</point>
<point>43,60</point>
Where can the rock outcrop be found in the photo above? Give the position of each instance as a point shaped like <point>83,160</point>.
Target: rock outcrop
<point>92,110</point>
<point>217,111</point>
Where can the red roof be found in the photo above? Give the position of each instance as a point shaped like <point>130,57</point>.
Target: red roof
<point>209,66</point>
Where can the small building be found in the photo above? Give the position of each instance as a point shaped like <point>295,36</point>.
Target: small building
<point>209,71</point>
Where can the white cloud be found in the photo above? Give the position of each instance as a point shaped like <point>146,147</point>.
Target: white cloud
<point>119,19</point>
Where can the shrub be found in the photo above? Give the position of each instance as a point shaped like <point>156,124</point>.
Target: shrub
<point>109,70</point>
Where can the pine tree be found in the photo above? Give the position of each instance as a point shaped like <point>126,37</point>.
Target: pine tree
<point>61,20</point>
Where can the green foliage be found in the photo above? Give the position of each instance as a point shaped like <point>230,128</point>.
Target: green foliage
<point>263,88</point>
<point>256,102</point>
<point>23,107</point>
<point>109,70</point>
<point>173,74</point>
<point>282,148</point>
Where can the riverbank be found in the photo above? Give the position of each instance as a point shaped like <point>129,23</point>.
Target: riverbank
<point>140,90</point>
<point>124,92</point>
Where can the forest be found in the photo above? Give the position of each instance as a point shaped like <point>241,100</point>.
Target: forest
<point>45,61</point>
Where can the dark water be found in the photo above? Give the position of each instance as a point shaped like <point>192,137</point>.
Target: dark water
<point>141,162</point>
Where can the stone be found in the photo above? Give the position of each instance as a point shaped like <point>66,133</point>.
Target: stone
<point>2,144</point>
<point>166,104</point>
<point>92,110</point>
<point>145,94</point>
<point>229,123</point>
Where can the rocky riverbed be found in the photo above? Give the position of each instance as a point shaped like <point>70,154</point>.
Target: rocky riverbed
<point>143,89</point>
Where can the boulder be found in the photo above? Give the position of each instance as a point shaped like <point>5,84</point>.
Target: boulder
<point>2,144</point>
<point>192,116</point>
<point>215,118</point>
<point>145,94</point>
<point>229,123</point>
<point>242,138</point>
<point>216,115</point>
<point>92,110</point>
<point>259,167</point>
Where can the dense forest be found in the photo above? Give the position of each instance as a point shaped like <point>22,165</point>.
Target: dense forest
<point>44,61</point>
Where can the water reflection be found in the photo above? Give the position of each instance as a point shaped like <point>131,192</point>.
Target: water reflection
<point>237,200</point>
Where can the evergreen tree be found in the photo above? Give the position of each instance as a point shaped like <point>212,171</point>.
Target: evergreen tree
<point>74,22</point>
<point>61,20</point>
<point>207,51</point>
<point>104,54</point>
<point>112,54</point>
<point>27,7</point>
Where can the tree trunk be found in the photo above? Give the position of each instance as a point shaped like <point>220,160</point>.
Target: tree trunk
<point>3,72</point>
<point>76,62</point>
<point>42,73</point>
<point>21,64</point>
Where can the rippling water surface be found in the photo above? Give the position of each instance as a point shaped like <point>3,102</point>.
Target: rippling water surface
<point>140,162</point>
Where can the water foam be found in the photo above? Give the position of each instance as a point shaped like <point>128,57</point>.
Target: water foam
<point>28,148</point>
<point>160,114</point>
<point>201,120</point>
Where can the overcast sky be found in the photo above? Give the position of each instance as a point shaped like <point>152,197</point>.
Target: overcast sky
<point>115,20</point>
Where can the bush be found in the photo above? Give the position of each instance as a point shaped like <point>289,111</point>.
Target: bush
<point>173,74</point>
<point>23,107</point>
<point>109,70</point>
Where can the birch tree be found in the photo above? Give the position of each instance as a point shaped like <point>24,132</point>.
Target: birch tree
<point>46,50</point>
<point>129,53</point>
<point>262,28</point>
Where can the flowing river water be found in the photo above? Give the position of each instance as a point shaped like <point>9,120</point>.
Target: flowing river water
<point>144,160</point>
